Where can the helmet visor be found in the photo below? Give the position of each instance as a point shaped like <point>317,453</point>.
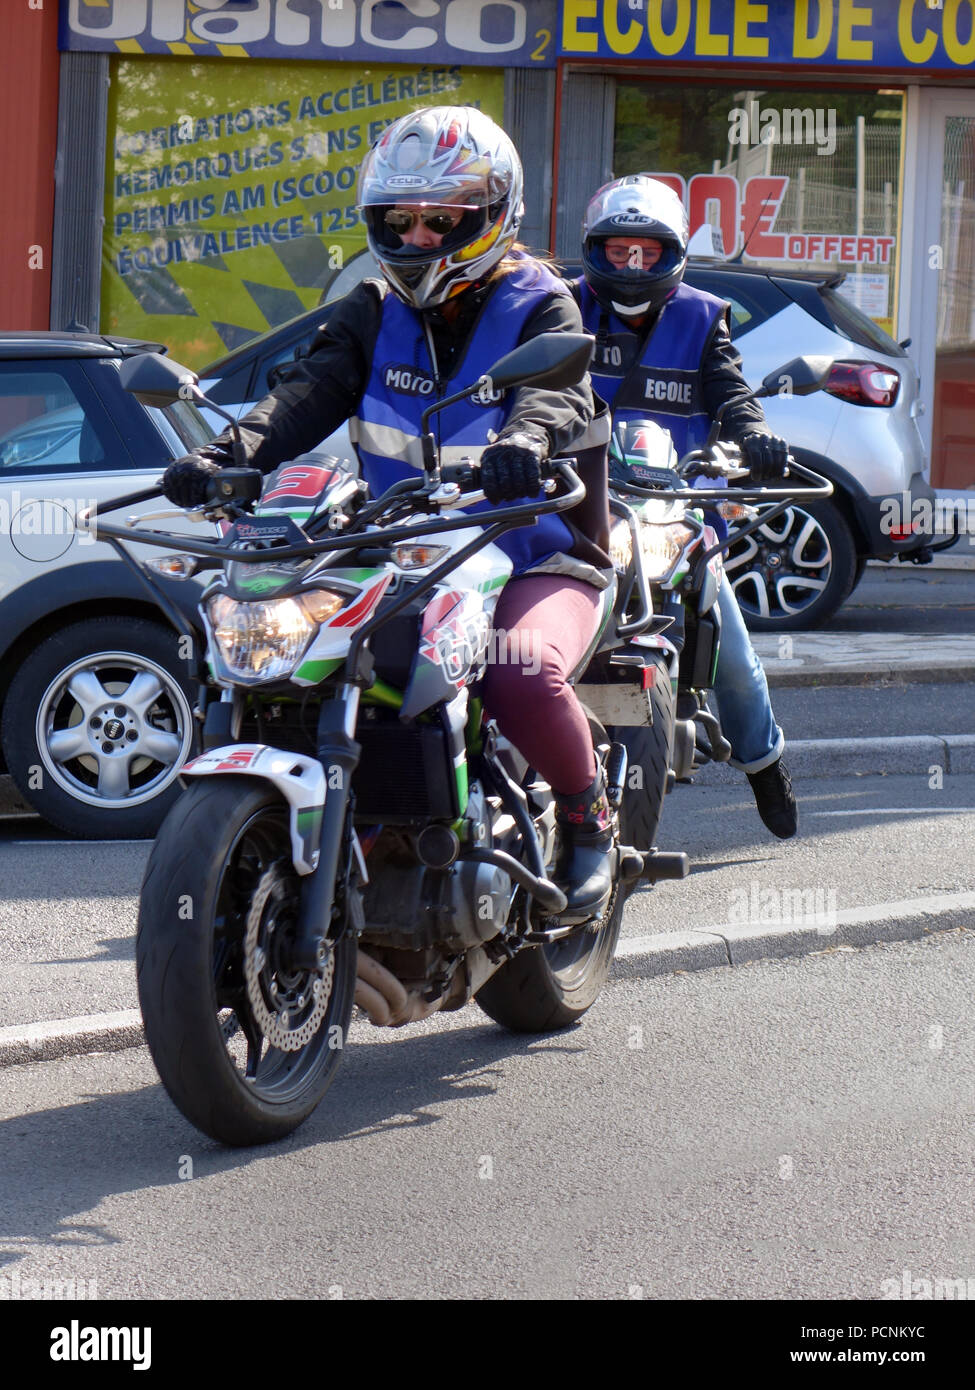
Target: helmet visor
<point>636,265</point>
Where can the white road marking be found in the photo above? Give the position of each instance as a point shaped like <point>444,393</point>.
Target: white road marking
<point>901,811</point>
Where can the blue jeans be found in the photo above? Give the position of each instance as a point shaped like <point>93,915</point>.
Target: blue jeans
<point>744,708</point>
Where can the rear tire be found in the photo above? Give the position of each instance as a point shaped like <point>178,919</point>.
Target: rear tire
<point>649,747</point>
<point>221,867</point>
<point>548,987</point>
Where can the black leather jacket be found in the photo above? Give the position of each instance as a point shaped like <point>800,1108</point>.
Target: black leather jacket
<point>317,393</point>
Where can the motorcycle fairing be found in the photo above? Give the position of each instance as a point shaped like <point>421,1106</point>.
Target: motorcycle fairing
<point>331,643</point>
<point>303,490</point>
<point>300,780</point>
<point>454,632</point>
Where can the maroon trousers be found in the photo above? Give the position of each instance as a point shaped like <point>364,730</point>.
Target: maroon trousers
<point>543,625</point>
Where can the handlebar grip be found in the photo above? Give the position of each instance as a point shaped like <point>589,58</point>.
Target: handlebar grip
<point>463,474</point>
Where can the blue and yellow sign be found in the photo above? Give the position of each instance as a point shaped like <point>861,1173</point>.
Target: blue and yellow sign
<point>887,35</point>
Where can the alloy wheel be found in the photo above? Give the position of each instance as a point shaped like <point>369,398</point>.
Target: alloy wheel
<point>113,729</point>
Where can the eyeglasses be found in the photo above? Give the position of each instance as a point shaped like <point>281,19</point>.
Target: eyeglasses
<point>402,222</point>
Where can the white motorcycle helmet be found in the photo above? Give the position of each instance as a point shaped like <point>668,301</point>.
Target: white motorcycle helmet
<point>637,206</point>
<point>442,157</point>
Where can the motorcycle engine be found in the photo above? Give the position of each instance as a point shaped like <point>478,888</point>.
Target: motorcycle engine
<point>410,906</point>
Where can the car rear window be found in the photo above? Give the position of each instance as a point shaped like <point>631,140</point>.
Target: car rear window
<point>854,324</point>
<point>753,298</point>
<point>50,421</point>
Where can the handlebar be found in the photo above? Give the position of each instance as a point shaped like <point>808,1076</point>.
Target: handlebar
<point>819,487</point>
<point>85,519</point>
<point>510,517</point>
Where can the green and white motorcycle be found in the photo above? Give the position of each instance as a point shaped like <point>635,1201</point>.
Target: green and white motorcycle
<point>355,830</point>
<point>660,514</point>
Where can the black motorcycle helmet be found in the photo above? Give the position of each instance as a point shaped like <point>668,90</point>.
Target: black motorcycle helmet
<point>641,207</point>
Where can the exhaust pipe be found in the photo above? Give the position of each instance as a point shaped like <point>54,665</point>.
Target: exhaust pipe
<point>384,998</point>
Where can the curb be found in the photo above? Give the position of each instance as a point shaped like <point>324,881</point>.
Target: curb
<point>70,1037</point>
<point>911,755</point>
<point>899,673</point>
<point>741,943</point>
<point>901,756</point>
<point>646,957</point>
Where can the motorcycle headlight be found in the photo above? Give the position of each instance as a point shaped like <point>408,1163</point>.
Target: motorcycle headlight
<point>661,547</point>
<point>265,640</point>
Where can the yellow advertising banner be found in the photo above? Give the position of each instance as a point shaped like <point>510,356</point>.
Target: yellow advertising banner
<point>230,187</point>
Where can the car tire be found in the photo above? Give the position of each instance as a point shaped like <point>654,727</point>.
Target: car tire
<point>97,723</point>
<point>795,572</point>
<point>858,572</point>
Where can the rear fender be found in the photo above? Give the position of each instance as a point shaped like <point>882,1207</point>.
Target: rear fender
<point>299,779</point>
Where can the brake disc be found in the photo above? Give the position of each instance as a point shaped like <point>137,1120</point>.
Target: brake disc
<point>288,1006</point>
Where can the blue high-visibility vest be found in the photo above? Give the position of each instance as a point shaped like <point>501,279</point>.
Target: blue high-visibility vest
<point>402,384</point>
<point>664,385</point>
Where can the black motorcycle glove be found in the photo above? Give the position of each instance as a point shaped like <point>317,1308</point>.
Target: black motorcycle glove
<point>766,456</point>
<point>512,468</point>
<point>186,481</point>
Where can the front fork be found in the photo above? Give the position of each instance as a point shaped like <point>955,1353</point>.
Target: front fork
<point>338,754</point>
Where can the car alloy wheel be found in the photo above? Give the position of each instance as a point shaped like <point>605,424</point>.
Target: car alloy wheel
<point>795,570</point>
<point>113,729</point>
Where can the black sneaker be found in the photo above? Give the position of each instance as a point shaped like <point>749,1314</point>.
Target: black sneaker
<point>775,799</point>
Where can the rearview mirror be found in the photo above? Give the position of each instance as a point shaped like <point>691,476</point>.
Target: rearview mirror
<point>800,377</point>
<point>156,380</point>
<point>551,359</point>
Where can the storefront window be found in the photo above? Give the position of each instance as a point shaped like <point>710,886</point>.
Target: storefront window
<point>952,451</point>
<point>231,186</point>
<point>804,179</point>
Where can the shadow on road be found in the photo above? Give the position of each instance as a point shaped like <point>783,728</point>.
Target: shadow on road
<point>59,1164</point>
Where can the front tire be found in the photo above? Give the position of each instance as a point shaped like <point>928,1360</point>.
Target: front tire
<point>245,1049</point>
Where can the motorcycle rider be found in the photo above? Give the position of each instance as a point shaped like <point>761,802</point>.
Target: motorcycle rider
<point>664,352</point>
<point>441,196</point>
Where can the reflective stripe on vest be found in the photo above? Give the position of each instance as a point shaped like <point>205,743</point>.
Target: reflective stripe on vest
<point>401,385</point>
<point>664,385</point>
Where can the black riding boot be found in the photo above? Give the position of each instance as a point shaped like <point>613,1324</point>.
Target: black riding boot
<point>583,869</point>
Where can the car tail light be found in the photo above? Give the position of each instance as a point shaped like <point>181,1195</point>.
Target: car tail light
<point>904,533</point>
<point>864,383</point>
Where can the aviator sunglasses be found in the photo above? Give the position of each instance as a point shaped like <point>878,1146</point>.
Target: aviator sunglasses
<point>401,222</point>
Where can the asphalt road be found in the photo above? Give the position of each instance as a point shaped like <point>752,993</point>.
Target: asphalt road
<point>790,1129</point>
<point>909,598</point>
<point>70,909</point>
<point>876,710</point>
<point>794,1129</point>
